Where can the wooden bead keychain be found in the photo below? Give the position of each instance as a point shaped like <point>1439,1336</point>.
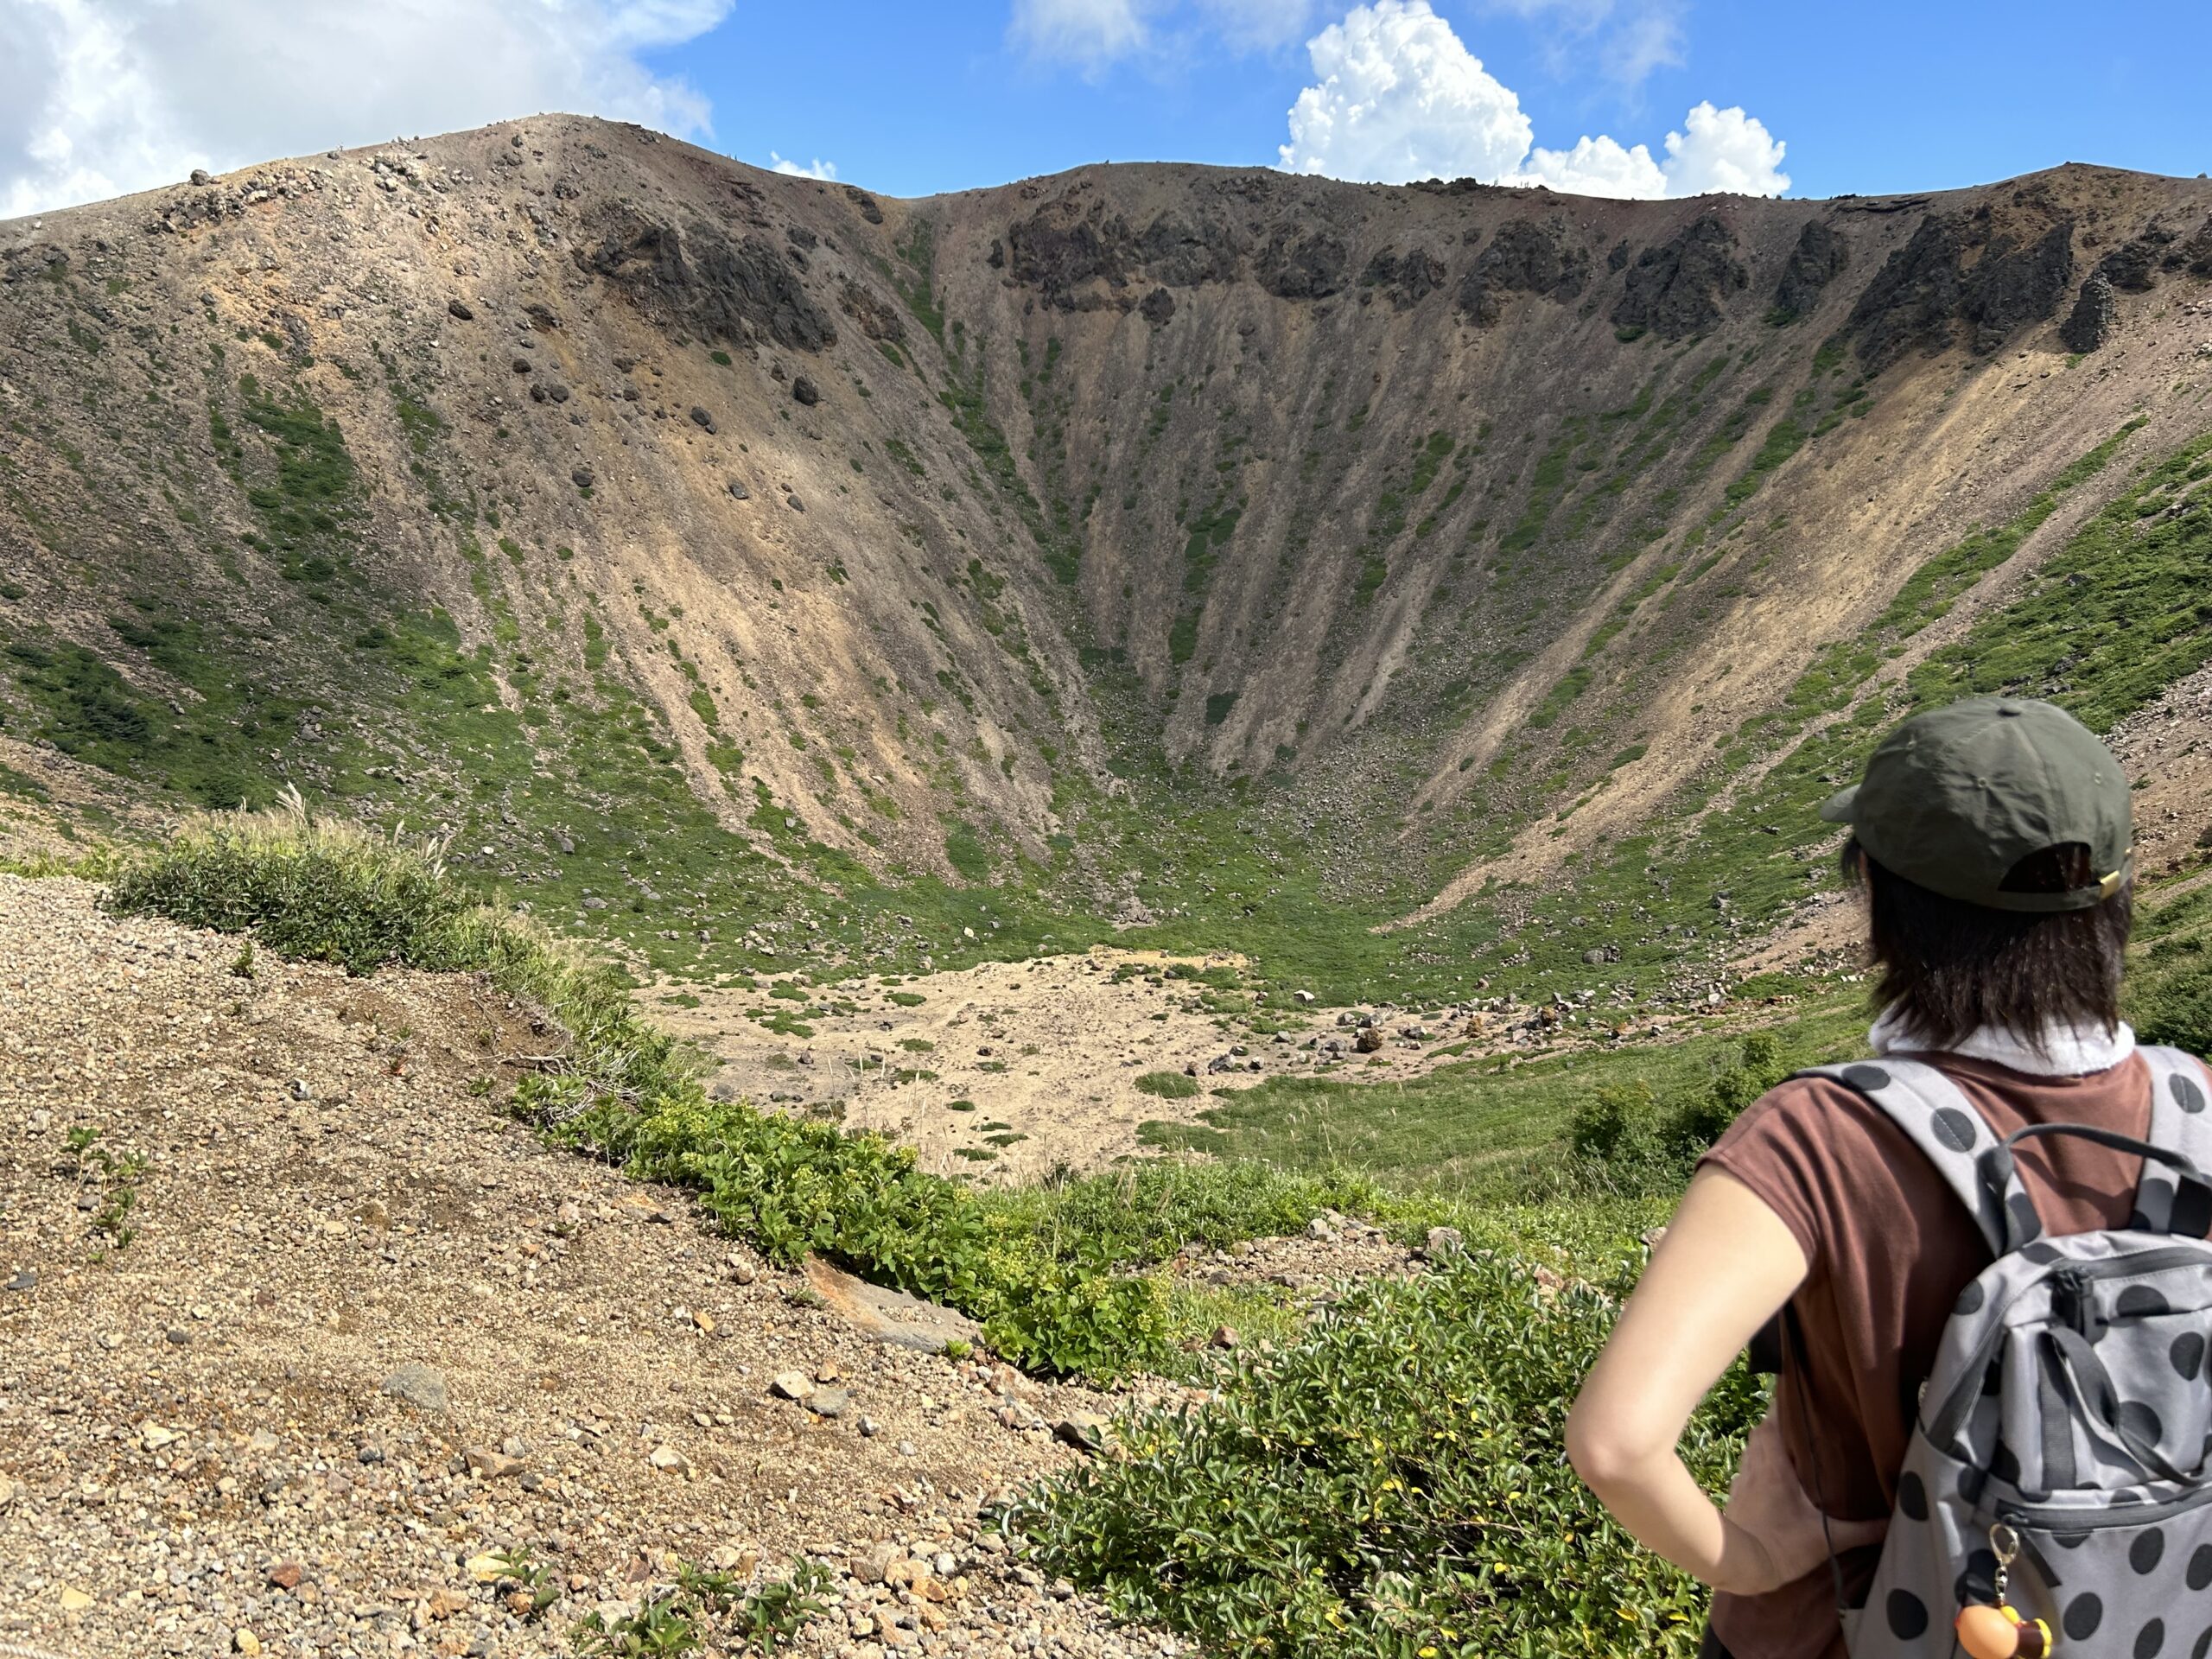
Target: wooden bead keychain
<point>1998,1631</point>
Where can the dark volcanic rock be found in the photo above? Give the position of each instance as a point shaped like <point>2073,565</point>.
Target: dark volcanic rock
<point>1408,278</point>
<point>1817,260</point>
<point>1184,255</point>
<point>1523,258</point>
<point>864,202</point>
<point>1159,306</point>
<point>2194,255</point>
<point>706,281</point>
<point>2133,267</point>
<point>1927,288</point>
<point>805,390</point>
<point>1061,248</point>
<point>1914,298</point>
<point>2091,322</point>
<point>700,419</point>
<point>878,318</point>
<point>1679,287</point>
<point>459,311</point>
<point>1309,267</point>
<point>2011,287</point>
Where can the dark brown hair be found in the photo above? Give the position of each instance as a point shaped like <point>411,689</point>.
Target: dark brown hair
<point>1949,967</point>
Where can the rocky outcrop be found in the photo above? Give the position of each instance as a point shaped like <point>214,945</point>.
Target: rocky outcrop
<point>2133,267</point>
<point>2014,286</point>
<point>1680,287</point>
<point>1817,260</point>
<point>1080,256</point>
<point>1309,267</point>
<point>1408,278</point>
<point>1929,287</point>
<point>703,280</point>
<point>1180,254</point>
<point>1064,247</point>
<point>2090,323</point>
<point>1523,258</point>
<point>878,318</point>
<point>2194,255</point>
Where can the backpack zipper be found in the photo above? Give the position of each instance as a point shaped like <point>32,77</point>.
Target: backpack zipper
<point>2048,1519</point>
<point>1947,1421</point>
<point>2024,1543</point>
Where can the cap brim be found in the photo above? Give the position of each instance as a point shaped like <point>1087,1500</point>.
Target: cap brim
<point>1837,808</point>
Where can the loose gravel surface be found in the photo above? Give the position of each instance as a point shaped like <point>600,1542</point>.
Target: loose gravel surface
<point>365,1334</point>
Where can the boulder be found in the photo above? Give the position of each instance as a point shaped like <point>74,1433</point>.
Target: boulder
<point>806,391</point>
<point>891,1317</point>
<point>459,311</point>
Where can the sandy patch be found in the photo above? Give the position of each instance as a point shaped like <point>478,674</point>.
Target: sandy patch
<point>1047,1054</point>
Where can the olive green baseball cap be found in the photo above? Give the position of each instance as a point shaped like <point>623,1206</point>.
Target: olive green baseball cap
<point>1955,798</point>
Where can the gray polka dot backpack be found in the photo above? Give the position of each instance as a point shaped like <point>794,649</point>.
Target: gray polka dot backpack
<point>2057,1494</point>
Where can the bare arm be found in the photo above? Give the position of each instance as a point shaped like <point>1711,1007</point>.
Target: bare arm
<point>1725,1267</point>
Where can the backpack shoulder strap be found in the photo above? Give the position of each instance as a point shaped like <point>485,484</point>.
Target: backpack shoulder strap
<point>2179,1123</point>
<point>1952,1134</point>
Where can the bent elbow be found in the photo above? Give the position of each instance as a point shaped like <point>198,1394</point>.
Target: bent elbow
<point>1603,1453</point>
<point>1597,1455</point>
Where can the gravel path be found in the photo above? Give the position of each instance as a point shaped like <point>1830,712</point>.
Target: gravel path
<point>206,1443</point>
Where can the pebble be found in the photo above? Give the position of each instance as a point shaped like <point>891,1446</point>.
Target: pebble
<point>418,1385</point>
<point>305,1437</point>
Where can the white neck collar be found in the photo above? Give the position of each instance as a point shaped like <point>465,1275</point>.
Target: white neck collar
<point>2066,1050</point>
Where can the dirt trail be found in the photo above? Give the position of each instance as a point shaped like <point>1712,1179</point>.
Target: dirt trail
<point>197,1434</point>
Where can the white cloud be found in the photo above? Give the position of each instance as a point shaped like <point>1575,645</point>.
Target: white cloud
<point>100,98</point>
<point>1400,98</point>
<point>1397,95</point>
<point>1092,32</point>
<point>1595,167</point>
<point>1626,39</point>
<point>819,169</point>
<point>1725,149</point>
<point>1096,33</point>
<point>1260,25</point>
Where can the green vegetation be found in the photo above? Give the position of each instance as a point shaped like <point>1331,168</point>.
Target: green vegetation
<point>1352,1494</point>
<point>1488,1133</point>
<point>1167,1085</point>
<point>1050,1272</point>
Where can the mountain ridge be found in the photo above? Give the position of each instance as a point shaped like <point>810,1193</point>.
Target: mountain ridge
<point>1092,528</point>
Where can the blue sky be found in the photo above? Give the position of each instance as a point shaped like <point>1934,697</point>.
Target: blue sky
<point>1874,97</point>
<point>102,97</point>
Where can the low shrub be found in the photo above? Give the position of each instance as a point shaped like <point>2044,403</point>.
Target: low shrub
<point>1044,1271</point>
<point>1143,1213</point>
<point>2174,1006</point>
<point>1625,1140</point>
<point>1167,1085</point>
<point>1395,1485</point>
